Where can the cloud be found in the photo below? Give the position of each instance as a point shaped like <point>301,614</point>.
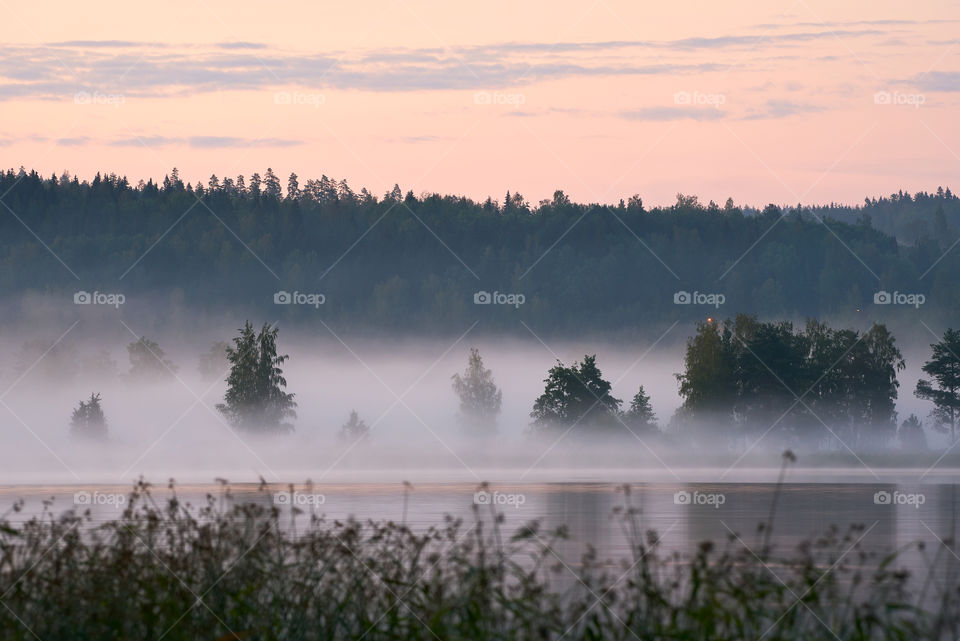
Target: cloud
<point>419,139</point>
<point>73,142</point>
<point>241,45</point>
<point>947,81</point>
<point>104,44</point>
<point>663,114</point>
<point>145,69</point>
<point>774,109</point>
<point>145,141</point>
<point>201,142</point>
<point>220,142</point>
<point>856,23</point>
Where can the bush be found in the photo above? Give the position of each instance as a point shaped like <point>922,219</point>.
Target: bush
<point>178,572</point>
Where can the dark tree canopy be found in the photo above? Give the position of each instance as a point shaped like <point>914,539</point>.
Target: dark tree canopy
<point>576,395</point>
<point>640,415</point>
<point>837,385</point>
<point>944,387</point>
<point>403,270</point>
<point>255,400</point>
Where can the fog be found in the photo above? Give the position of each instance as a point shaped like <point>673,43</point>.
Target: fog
<point>401,388</point>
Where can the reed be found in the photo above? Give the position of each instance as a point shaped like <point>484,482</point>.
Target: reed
<point>225,571</point>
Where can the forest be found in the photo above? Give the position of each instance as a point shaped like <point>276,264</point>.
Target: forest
<point>422,263</point>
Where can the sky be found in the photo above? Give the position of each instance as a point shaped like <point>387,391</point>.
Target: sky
<point>799,101</point>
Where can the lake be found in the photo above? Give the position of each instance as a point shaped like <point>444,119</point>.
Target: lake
<point>893,515</point>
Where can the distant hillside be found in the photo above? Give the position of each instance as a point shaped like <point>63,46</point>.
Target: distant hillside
<point>912,219</point>
<point>403,262</point>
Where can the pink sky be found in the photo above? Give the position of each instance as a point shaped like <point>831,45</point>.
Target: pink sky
<point>761,101</point>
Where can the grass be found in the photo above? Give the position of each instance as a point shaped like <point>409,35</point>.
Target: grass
<point>225,571</point>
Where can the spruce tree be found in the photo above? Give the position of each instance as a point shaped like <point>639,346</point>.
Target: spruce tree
<point>944,389</point>
<point>480,399</point>
<point>88,420</point>
<point>255,400</point>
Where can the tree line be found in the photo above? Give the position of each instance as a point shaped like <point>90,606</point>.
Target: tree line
<point>742,379</point>
<point>414,262</point>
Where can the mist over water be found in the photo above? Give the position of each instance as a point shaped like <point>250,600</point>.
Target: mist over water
<point>400,387</point>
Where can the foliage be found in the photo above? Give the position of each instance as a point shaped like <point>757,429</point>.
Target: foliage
<point>944,390</point>
<point>480,399</point>
<point>88,420</point>
<point>245,570</point>
<point>148,362</point>
<point>400,276</point>
<point>576,395</point>
<point>640,415</point>
<point>255,399</point>
<point>214,362</point>
<point>834,385</point>
<point>911,435</point>
<point>354,429</point>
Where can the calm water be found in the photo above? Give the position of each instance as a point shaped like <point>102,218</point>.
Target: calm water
<point>683,514</point>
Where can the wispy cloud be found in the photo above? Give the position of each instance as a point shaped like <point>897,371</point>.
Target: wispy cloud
<point>773,109</point>
<point>220,142</point>
<point>662,114</point>
<point>203,142</point>
<point>73,142</point>
<point>241,45</point>
<point>938,81</point>
<point>146,141</point>
<point>103,44</point>
<point>855,23</point>
<point>60,69</point>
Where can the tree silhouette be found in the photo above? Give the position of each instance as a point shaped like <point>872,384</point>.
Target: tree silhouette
<point>575,395</point>
<point>746,373</point>
<point>354,429</point>
<point>795,269</point>
<point>88,420</point>
<point>255,400</point>
<point>148,362</point>
<point>214,362</point>
<point>911,436</point>
<point>640,416</point>
<point>944,390</point>
<point>480,399</point>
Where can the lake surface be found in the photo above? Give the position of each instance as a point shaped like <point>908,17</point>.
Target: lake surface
<point>894,515</point>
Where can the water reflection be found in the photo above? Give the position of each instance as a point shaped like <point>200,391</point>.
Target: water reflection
<point>893,516</point>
